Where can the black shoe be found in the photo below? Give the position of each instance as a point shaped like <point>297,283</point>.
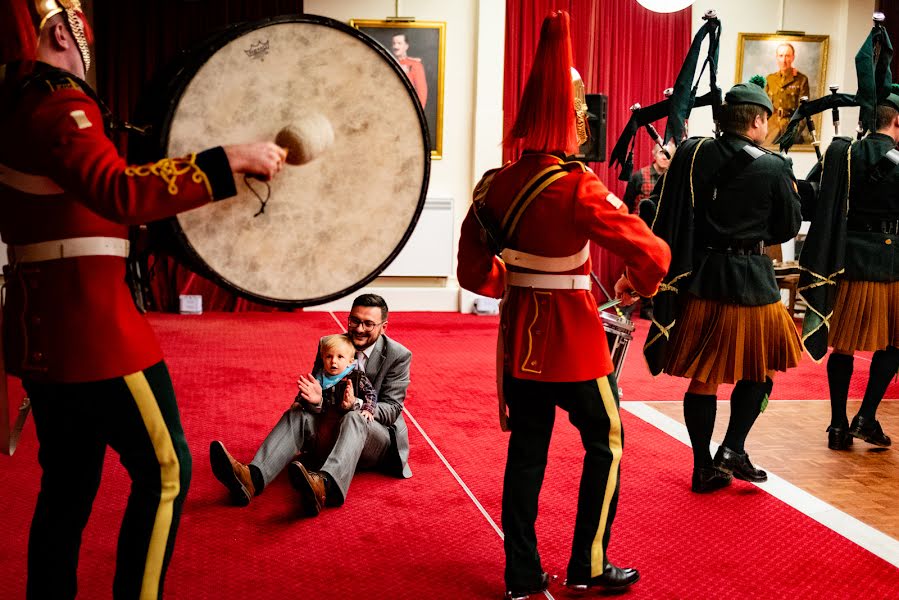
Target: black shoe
<point>738,464</point>
<point>521,594</point>
<point>838,438</point>
<point>870,431</point>
<point>709,479</point>
<point>612,578</point>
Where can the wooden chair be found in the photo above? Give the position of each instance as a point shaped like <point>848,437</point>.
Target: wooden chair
<point>785,281</point>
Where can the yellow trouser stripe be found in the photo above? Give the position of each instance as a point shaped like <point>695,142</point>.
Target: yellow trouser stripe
<point>170,480</point>
<point>615,445</point>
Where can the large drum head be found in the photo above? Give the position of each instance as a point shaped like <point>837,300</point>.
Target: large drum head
<point>333,224</point>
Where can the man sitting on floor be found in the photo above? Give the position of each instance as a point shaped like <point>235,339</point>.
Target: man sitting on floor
<point>380,443</point>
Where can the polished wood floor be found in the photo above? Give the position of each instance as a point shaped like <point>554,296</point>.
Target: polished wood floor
<point>789,439</point>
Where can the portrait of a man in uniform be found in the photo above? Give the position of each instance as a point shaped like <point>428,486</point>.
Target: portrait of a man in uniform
<point>785,87</point>
<point>418,47</point>
<point>793,66</point>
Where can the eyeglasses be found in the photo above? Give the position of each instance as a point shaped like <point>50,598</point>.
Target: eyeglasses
<point>367,326</point>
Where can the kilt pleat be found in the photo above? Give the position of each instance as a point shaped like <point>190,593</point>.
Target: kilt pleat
<point>716,342</point>
<point>865,316</point>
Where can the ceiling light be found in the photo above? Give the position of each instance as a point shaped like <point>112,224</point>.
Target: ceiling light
<point>665,6</point>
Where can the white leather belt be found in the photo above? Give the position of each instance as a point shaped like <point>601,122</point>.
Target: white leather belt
<point>30,184</point>
<point>550,264</point>
<point>69,248</point>
<point>549,282</point>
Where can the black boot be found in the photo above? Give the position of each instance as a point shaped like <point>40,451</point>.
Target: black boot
<point>612,578</point>
<point>839,374</point>
<point>739,465</point>
<point>523,593</point>
<point>870,431</point>
<point>838,438</point>
<point>709,479</point>
<point>746,402</point>
<point>884,364</point>
<point>699,416</point>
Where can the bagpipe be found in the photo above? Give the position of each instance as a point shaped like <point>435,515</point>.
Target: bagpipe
<point>679,100</point>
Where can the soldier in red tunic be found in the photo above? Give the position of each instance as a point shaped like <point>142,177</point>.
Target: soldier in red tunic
<point>541,212</point>
<point>412,67</point>
<point>88,360</point>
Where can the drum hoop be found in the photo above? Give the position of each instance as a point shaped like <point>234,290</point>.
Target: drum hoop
<point>200,54</point>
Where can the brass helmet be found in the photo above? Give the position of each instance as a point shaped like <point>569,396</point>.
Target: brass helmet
<point>75,19</point>
<point>580,107</point>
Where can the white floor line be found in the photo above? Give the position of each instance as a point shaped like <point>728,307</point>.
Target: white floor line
<point>336,320</point>
<point>449,467</point>
<point>872,540</point>
<point>453,472</point>
<point>458,479</point>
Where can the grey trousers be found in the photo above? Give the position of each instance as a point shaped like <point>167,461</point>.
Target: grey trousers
<point>360,443</point>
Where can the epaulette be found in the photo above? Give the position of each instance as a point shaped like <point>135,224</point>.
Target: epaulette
<point>55,80</point>
<point>785,159</point>
<point>574,165</point>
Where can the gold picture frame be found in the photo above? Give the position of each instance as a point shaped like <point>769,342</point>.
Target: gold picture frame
<point>757,54</point>
<point>426,46</point>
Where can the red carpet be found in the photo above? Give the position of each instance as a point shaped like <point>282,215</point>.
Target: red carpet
<point>423,537</point>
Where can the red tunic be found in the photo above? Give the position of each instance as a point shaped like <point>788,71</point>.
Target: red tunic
<point>415,70</point>
<point>73,319</point>
<point>556,335</point>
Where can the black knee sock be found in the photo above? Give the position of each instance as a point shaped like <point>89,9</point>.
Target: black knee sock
<point>258,480</point>
<point>839,373</point>
<point>883,367</point>
<point>699,415</point>
<point>745,405</point>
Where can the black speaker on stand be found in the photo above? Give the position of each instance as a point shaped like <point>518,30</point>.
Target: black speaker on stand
<point>594,149</point>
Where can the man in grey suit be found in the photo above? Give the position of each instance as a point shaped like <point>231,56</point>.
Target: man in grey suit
<point>382,443</point>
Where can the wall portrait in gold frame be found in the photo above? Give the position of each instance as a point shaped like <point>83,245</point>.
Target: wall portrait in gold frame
<point>794,65</point>
<point>419,47</point>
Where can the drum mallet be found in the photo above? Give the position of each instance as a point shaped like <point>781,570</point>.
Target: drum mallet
<point>306,138</point>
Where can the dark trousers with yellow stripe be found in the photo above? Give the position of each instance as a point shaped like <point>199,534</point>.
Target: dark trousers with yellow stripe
<point>592,407</point>
<point>137,417</point>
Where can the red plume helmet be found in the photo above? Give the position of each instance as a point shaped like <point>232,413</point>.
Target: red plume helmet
<point>18,40</point>
<point>546,117</point>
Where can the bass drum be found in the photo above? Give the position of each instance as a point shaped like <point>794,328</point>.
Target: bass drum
<point>331,225</point>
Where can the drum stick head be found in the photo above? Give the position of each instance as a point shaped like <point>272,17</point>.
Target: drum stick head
<point>305,139</point>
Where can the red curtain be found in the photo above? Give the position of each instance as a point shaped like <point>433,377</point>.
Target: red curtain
<point>890,8</point>
<point>621,50</point>
<point>18,40</point>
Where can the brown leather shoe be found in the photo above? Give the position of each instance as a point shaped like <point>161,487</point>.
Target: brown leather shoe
<point>234,475</point>
<point>310,485</point>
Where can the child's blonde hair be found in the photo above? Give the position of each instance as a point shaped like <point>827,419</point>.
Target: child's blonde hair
<point>331,342</point>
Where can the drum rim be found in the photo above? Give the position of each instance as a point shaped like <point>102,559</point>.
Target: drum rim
<point>193,60</point>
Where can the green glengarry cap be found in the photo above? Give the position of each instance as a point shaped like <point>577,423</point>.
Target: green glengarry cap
<point>891,100</point>
<point>749,93</point>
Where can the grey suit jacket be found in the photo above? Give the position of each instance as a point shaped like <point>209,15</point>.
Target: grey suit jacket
<point>388,369</point>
